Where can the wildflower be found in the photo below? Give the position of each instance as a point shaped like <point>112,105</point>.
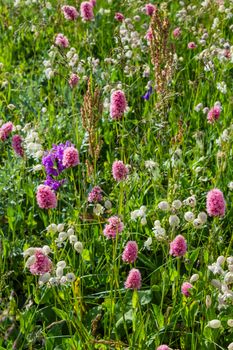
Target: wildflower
<point>74,79</point>
<point>130,252</point>
<point>149,9</point>
<point>53,159</point>
<point>192,45</point>
<point>148,243</point>
<point>163,347</point>
<point>176,32</point>
<point>53,184</point>
<point>149,35</point>
<point>185,288</point>
<point>119,170</point>
<point>70,12</point>
<point>108,204</point>
<point>17,145</point>
<point>133,280</point>
<point>78,246</point>
<point>197,223</point>
<point>230,323</point>
<point>95,195</point>
<point>189,216</point>
<point>73,239</point>
<point>222,87</point>
<point>160,233</point>
<point>98,209</point>
<point>208,301</point>
<point>178,246</point>
<point>230,346</point>
<point>214,324</point>
<point>163,206</point>
<point>190,201</point>
<point>202,216</point>
<point>46,198</point>
<point>148,93</point>
<point>215,203</point>
<point>118,104</point>
<point>213,114</point>
<point>86,10</point>
<point>61,264</point>
<point>194,278</point>
<point>114,227</point>
<point>70,277</point>
<point>198,107</point>
<point>44,278</point>
<point>41,263</point>
<point>52,228</point>
<point>61,40</point>
<point>93,2</point>
<point>5,130</point>
<point>176,204</point>
<point>59,272</point>
<point>70,157</point>
<point>119,17</point>
<point>174,220</point>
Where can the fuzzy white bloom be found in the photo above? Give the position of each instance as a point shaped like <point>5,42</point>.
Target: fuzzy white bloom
<point>49,73</point>
<point>230,322</point>
<point>174,220</point>
<point>59,272</point>
<point>150,164</point>
<point>208,301</point>
<point>46,249</point>
<point>189,216</point>
<point>160,233</point>
<point>78,246</point>
<point>53,281</point>
<point>148,243</point>
<point>60,227</point>
<point>108,204</point>
<point>197,223</point>
<point>164,205</point>
<point>44,278</point>
<point>63,280</point>
<point>62,236</point>
<point>230,346</point>
<point>214,324</point>
<point>190,201</point>
<point>61,264</point>
<point>176,204</point>
<point>30,261</point>
<point>30,251</point>
<point>52,228</point>
<point>194,278</point>
<point>222,87</point>
<point>216,283</point>
<point>98,209</point>
<point>230,186</point>
<point>37,167</point>
<point>70,232</point>
<point>202,216</point>
<point>228,278</point>
<point>70,277</point>
<point>230,260</point>
<point>215,268</point>
<point>134,214</point>
<point>143,221</point>
<point>198,107</point>
<point>73,239</point>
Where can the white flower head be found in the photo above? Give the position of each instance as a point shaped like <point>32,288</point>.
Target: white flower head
<point>164,206</point>
<point>189,216</point>
<point>214,324</point>
<point>174,220</point>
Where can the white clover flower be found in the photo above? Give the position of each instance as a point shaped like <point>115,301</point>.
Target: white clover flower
<point>190,201</point>
<point>98,209</point>
<point>194,278</point>
<point>60,227</point>
<point>70,232</point>
<point>197,223</point>
<point>78,246</point>
<point>59,272</point>
<point>176,204</point>
<point>70,277</point>
<point>160,233</point>
<point>208,301</point>
<point>214,324</point>
<point>61,264</point>
<point>143,221</point>
<point>148,243</point>
<point>164,206</point>
<point>174,220</point>
<point>202,216</point>
<point>62,236</point>
<point>189,216</point>
<point>73,239</point>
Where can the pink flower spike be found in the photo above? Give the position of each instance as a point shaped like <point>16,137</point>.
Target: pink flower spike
<point>130,252</point>
<point>70,157</point>
<point>215,203</point>
<point>93,2</point>
<point>192,45</point>
<point>95,195</point>
<point>133,280</point>
<point>86,10</point>
<point>114,227</point>
<point>213,114</point>
<point>149,8</point>
<point>119,17</point>
<point>61,41</point>
<point>176,32</point>
<point>17,145</point>
<point>5,130</point>
<point>42,263</point>
<point>46,198</point>
<point>118,104</point>
<point>70,12</point>
<point>119,170</point>
<point>149,35</point>
<point>74,79</point>
<point>178,247</point>
<point>163,347</point>
<point>185,288</point>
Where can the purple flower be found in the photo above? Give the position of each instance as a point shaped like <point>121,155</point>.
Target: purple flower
<point>52,159</point>
<point>147,94</point>
<point>52,183</point>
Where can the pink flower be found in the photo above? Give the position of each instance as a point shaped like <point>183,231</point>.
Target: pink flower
<point>176,32</point>
<point>130,252</point>
<point>114,227</point>
<point>46,198</point>
<point>70,12</point>
<point>118,104</point>
<point>163,347</point>
<point>149,35</point>
<point>178,246</point>
<point>95,195</point>
<point>74,79</point>
<point>119,170</point>
<point>70,157</point>
<point>192,45</point>
<point>133,280</point>
<point>61,40</point>
<point>42,263</point>
<point>213,114</point>
<point>215,203</point>
<point>149,8</point>
<point>17,145</point>
<point>119,17</point>
<point>93,2</point>
<point>185,288</point>
<point>86,11</point>
<point>5,130</point>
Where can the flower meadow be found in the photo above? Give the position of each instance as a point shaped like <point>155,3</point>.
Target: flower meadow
<point>116,181</point>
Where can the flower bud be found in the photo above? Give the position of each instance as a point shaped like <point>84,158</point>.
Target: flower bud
<point>214,324</point>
